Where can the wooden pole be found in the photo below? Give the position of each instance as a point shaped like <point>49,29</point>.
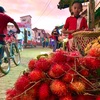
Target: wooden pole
<point>92,15</point>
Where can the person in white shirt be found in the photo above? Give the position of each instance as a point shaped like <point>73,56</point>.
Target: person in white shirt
<point>20,38</point>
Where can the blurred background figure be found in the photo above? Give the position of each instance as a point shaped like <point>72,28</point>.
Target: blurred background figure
<point>43,41</point>
<point>29,40</point>
<point>51,42</point>
<point>60,41</point>
<point>46,41</point>
<point>63,39</point>
<point>54,35</point>
<point>20,38</point>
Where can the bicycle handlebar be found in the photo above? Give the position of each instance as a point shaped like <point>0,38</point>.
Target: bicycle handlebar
<point>9,34</point>
<point>2,35</point>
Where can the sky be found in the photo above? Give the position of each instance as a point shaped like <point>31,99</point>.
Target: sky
<point>45,14</point>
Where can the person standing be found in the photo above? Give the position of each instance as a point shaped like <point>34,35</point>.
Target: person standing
<point>46,41</point>
<point>20,38</point>
<point>51,41</point>
<point>4,20</point>
<point>43,41</point>
<point>74,23</point>
<point>54,36</point>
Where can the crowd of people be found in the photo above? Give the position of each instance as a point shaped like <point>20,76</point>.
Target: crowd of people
<point>73,23</point>
<point>45,41</point>
<point>55,41</point>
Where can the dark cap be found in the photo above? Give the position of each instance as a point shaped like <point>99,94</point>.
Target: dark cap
<point>2,10</point>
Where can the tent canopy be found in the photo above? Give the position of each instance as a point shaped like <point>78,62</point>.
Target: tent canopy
<point>66,3</point>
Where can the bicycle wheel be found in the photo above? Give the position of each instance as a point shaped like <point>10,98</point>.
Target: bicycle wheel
<point>5,63</point>
<point>15,54</point>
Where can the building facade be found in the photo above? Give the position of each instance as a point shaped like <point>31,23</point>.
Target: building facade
<point>26,20</point>
<point>38,34</point>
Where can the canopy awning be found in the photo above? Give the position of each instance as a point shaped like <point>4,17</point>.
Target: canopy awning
<point>97,13</point>
<point>21,25</point>
<point>66,3</point>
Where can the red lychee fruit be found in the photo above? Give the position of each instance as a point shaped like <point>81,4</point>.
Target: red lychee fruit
<point>85,72</point>
<point>52,97</point>
<point>68,97</point>
<point>59,56</point>
<point>33,91</point>
<point>77,86</point>
<point>51,74</point>
<point>57,70</point>
<point>72,55</point>
<point>22,83</point>
<point>10,94</point>
<point>26,97</point>
<point>58,87</point>
<point>75,54</point>
<point>44,91</point>
<point>69,76</point>
<point>91,62</point>
<point>31,64</point>
<point>95,52</point>
<point>85,97</point>
<point>66,67</point>
<point>98,97</point>
<point>82,61</point>
<point>71,64</point>
<point>36,75</point>
<point>43,64</point>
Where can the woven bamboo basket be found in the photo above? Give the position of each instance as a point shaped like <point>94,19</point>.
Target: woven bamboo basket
<point>82,38</point>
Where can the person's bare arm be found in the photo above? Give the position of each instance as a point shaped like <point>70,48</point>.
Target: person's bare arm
<point>64,31</point>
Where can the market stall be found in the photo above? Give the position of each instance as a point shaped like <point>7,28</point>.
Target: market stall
<point>62,75</point>
<point>67,3</point>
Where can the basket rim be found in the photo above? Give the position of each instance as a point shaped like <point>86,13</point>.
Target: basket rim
<point>86,33</point>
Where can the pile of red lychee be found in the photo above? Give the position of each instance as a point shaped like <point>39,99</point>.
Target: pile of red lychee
<point>60,76</point>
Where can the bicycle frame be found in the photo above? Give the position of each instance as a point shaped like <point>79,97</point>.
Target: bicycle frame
<point>11,51</point>
<point>5,66</point>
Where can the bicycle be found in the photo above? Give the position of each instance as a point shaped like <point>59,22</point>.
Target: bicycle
<point>11,51</point>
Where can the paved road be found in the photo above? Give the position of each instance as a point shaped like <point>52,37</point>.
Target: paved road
<point>8,81</point>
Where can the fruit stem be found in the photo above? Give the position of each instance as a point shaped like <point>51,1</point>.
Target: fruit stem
<point>27,89</point>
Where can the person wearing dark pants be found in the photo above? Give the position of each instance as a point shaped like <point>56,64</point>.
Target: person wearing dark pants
<point>55,34</point>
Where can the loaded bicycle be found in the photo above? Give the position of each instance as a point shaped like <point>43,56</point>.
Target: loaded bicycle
<point>10,52</point>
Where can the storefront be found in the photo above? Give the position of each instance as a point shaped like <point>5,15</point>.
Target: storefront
<point>28,35</point>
